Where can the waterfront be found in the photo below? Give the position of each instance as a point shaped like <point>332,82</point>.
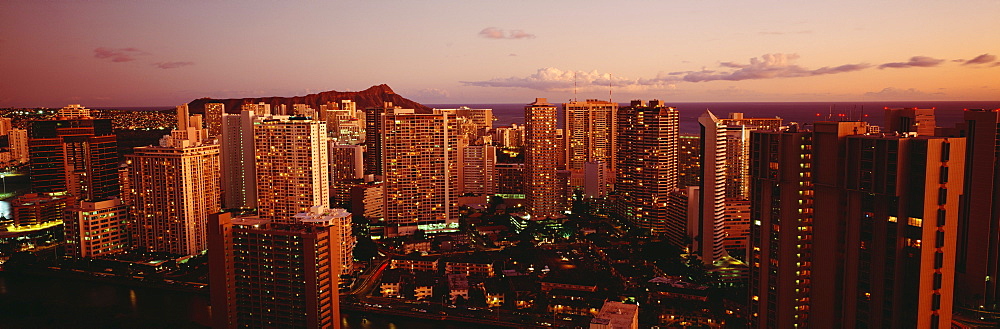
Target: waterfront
<point>50,302</point>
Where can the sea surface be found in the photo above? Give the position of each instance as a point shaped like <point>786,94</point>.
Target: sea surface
<point>948,113</point>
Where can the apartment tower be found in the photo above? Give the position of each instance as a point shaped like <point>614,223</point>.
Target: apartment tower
<point>292,166</point>
<point>647,167</point>
<point>175,186</point>
<point>420,166</point>
<point>708,241</point>
<point>543,193</point>
<point>239,173</point>
<point>76,153</point>
<point>270,275</point>
<point>590,136</point>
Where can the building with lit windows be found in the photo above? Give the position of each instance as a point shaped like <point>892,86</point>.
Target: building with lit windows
<point>590,136</point>
<point>647,166</point>
<point>544,196</point>
<point>852,230</point>
<point>239,173</point>
<point>709,234</point>
<point>292,166</point>
<point>421,164</point>
<point>479,173</point>
<point>95,229</point>
<point>339,222</point>
<point>76,153</point>
<point>213,119</point>
<point>266,274</point>
<point>175,186</point>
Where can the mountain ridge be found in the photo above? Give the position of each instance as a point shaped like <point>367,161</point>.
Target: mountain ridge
<point>374,96</point>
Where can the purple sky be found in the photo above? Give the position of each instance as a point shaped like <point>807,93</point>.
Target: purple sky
<point>159,52</point>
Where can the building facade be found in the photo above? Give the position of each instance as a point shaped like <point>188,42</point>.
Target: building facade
<point>647,165</point>
<point>542,188</point>
<point>292,166</point>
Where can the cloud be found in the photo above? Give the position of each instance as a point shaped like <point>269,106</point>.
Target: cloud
<point>120,55</point>
<point>520,34</point>
<point>497,33</point>
<point>172,65</point>
<point>432,93</point>
<point>512,55</point>
<point>892,93</point>
<point>915,61</point>
<point>551,78</point>
<point>981,59</point>
<point>768,66</point>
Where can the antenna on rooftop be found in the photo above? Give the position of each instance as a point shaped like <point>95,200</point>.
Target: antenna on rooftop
<point>610,88</point>
<point>574,86</point>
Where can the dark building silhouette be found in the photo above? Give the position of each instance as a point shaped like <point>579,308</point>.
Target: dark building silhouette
<point>76,153</point>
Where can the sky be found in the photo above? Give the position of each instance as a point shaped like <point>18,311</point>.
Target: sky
<point>167,52</point>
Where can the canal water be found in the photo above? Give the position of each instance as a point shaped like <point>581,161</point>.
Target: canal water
<point>49,302</point>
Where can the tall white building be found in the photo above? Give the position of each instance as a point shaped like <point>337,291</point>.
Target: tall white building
<point>239,175</point>
<point>709,241</point>
<point>175,187</point>
<point>420,162</point>
<point>292,165</point>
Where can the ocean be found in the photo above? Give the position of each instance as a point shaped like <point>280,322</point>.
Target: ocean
<point>947,113</point>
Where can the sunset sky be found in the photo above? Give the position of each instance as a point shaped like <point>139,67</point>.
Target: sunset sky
<point>153,53</point>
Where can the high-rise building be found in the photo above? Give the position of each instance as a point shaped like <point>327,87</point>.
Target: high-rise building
<point>346,167</point>
<point>737,119</point>
<point>74,152</point>
<point>978,260</point>
<point>420,160</point>
<point>901,228</point>
<point>737,162</point>
<point>510,179</point>
<point>736,226</point>
<point>647,165</point>
<point>479,171</point>
<point>473,123</point>
<point>13,143</point>
<point>543,193</point>
<point>688,161</point>
<point>852,230</point>
<point>269,275</point>
<point>781,234</point>
<point>340,223</point>
<point>213,119</point>
<point>292,164</point>
<point>368,202</point>
<point>239,173</point>
<point>509,136</point>
<point>708,243</point>
<point>910,120</point>
<point>95,229</point>
<point>18,139</point>
<point>374,136</point>
<point>175,187</point>
<point>344,123</point>
<point>261,109</point>
<point>590,136</point>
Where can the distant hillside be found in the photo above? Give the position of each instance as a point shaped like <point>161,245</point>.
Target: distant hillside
<point>374,96</point>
